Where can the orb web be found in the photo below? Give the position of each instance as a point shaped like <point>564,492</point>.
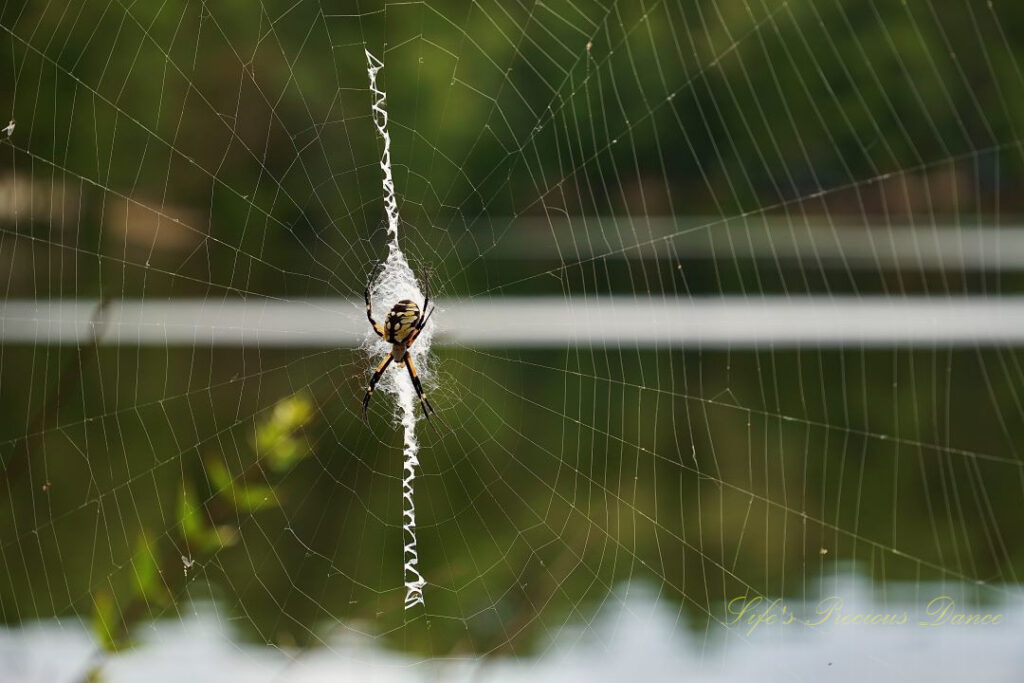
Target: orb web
<point>677,249</point>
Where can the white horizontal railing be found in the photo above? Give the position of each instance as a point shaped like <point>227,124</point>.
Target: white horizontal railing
<point>531,322</point>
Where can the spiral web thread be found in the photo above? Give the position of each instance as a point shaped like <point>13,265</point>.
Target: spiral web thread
<point>398,276</point>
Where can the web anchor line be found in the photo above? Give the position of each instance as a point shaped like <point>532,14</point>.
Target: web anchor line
<point>396,263</point>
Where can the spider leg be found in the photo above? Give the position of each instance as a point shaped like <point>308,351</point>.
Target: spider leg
<point>419,327</point>
<point>377,374</point>
<point>424,319</point>
<point>422,322</point>
<point>426,291</point>
<point>412,336</point>
<point>428,409</point>
<point>369,314</point>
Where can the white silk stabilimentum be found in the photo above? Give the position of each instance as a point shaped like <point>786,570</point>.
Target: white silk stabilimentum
<point>395,282</point>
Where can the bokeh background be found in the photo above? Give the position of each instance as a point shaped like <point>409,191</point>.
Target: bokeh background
<point>678,150</point>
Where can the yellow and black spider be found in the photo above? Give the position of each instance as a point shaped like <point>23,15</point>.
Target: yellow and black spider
<point>401,327</point>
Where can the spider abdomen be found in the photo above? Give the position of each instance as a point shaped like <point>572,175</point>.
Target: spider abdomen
<point>401,321</point>
<point>402,327</point>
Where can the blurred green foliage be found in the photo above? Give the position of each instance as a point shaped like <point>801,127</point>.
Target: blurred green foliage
<point>279,444</point>
<point>278,441</point>
<point>148,584</point>
<point>245,132</point>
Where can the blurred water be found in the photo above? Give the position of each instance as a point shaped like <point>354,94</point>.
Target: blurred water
<point>635,635</point>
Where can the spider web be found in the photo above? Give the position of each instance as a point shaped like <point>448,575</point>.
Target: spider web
<point>397,282</point>
<point>577,153</point>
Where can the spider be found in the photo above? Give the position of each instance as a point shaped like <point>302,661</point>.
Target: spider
<point>401,327</point>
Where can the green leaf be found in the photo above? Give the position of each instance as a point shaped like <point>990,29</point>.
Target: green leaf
<point>276,440</point>
<point>106,621</point>
<point>192,520</point>
<point>149,583</point>
<point>243,495</point>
